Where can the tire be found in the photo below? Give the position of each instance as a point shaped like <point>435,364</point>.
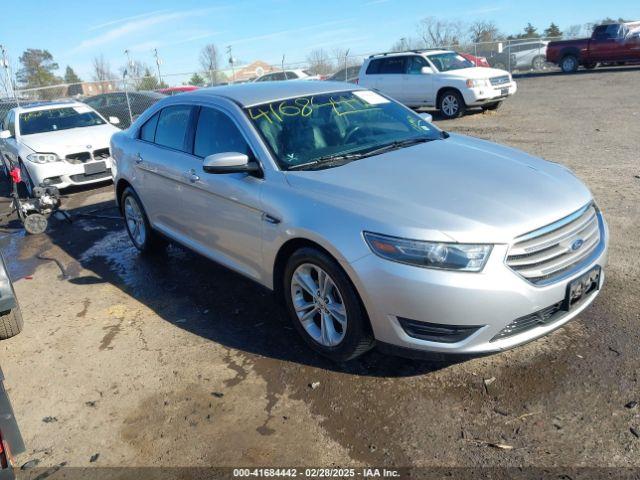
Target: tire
<point>590,66</point>
<point>10,323</point>
<point>569,64</point>
<point>144,238</point>
<point>451,104</point>
<point>492,106</point>
<point>326,329</point>
<point>26,179</point>
<point>539,63</point>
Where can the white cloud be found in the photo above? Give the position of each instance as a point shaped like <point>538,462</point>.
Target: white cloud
<point>124,19</point>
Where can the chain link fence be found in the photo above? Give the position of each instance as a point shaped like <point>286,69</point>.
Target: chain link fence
<point>127,98</point>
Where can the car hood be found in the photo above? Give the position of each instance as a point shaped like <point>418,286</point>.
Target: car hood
<point>476,72</point>
<point>460,189</point>
<point>64,142</point>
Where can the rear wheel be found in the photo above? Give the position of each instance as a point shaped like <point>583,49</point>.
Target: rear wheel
<point>10,323</point>
<point>569,63</point>
<point>324,306</point>
<point>451,104</point>
<point>539,63</point>
<point>144,238</point>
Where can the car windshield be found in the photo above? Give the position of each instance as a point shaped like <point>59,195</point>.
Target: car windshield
<point>41,121</point>
<point>310,130</point>
<point>449,61</point>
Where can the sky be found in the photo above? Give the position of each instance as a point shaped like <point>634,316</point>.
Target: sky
<point>77,31</point>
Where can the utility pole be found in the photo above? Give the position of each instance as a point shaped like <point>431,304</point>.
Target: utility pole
<point>346,56</point>
<point>155,54</point>
<point>126,89</point>
<point>231,62</point>
<point>282,63</point>
<point>7,70</point>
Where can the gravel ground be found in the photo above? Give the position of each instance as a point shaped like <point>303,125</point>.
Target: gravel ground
<point>177,361</point>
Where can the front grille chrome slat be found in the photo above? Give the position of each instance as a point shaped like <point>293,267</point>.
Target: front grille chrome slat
<point>548,252</point>
<point>495,81</point>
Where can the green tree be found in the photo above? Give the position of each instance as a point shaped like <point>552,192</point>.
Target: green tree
<point>196,80</point>
<point>37,69</point>
<point>70,76</point>
<point>552,31</point>
<point>530,32</point>
<point>149,81</point>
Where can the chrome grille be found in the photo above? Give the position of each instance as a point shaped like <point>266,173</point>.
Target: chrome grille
<point>547,253</point>
<point>499,80</point>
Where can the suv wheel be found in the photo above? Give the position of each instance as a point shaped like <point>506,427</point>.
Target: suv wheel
<point>10,323</point>
<point>451,104</point>
<point>569,64</point>
<point>324,306</point>
<point>539,63</point>
<point>144,238</point>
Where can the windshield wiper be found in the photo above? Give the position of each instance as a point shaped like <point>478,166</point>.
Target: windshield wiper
<point>342,159</point>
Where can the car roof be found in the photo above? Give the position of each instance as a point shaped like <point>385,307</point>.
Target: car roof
<point>34,106</point>
<point>428,51</point>
<point>251,94</point>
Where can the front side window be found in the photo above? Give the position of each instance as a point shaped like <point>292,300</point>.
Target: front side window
<point>445,62</point>
<point>171,130</point>
<point>415,65</point>
<point>53,119</point>
<point>216,133</point>
<point>310,130</point>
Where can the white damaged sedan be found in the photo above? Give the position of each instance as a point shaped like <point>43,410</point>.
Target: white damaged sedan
<point>58,144</point>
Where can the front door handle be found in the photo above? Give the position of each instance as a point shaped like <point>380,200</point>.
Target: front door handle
<point>138,159</point>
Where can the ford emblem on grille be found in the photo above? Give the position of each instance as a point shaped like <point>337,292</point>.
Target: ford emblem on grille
<point>577,244</point>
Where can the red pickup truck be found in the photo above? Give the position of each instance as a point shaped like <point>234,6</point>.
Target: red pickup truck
<point>617,43</point>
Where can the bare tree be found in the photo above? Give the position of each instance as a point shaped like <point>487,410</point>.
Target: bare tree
<point>343,58</point>
<point>573,31</point>
<point>209,60</point>
<point>440,33</point>
<point>102,69</point>
<point>407,43</point>
<point>483,31</point>
<point>319,62</point>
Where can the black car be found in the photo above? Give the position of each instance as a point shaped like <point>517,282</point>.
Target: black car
<point>349,75</point>
<point>115,104</point>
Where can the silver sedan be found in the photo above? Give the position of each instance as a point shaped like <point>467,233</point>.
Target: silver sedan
<point>372,226</point>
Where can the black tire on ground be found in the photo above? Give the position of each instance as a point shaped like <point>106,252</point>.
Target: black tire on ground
<point>10,323</point>
<point>151,241</point>
<point>569,63</point>
<point>539,63</point>
<point>358,337</point>
<point>492,106</point>
<point>451,104</point>
<point>590,65</point>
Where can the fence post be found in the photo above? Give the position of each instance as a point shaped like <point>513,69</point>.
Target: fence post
<point>126,94</point>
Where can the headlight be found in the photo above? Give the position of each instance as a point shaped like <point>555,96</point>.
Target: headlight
<point>461,257</point>
<point>42,157</point>
<point>477,83</point>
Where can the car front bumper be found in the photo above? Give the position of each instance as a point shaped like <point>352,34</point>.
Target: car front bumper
<point>484,95</point>
<point>63,174</point>
<point>490,300</point>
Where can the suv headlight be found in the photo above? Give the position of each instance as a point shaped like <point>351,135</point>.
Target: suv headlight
<point>478,83</point>
<point>462,257</point>
<point>42,157</point>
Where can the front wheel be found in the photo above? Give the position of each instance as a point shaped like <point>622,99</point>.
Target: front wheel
<point>10,323</point>
<point>324,306</point>
<point>569,64</point>
<point>144,238</point>
<point>452,104</point>
<point>539,63</point>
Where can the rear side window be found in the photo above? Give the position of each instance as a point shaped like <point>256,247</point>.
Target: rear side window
<point>391,65</point>
<point>216,133</point>
<point>291,75</point>
<point>172,127</point>
<point>148,130</point>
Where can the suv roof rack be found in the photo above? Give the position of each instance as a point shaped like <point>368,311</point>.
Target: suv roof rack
<point>419,50</point>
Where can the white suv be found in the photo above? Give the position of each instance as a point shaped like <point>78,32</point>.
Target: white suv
<point>287,75</point>
<point>57,143</point>
<point>437,78</point>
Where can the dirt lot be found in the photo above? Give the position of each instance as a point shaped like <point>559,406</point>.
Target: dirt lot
<point>176,361</point>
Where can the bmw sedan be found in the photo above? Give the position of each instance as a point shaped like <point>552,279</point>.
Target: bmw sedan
<point>372,226</point>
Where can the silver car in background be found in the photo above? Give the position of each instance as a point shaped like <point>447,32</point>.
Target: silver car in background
<point>372,225</point>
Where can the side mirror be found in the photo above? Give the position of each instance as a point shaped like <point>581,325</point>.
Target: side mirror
<point>229,162</point>
<point>426,70</point>
<point>114,120</point>
<point>427,117</point>
<point>5,134</point>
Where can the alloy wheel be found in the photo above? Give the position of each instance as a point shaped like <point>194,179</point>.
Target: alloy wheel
<point>319,305</point>
<point>450,105</point>
<point>135,221</point>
